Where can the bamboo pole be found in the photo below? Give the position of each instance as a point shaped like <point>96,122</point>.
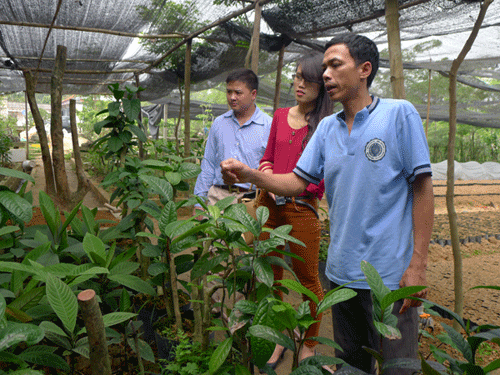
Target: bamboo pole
<point>395,56</point>
<point>450,181</point>
<point>27,125</point>
<point>141,126</point>
<point>279,69</point>
<point>92,317</point>
<point>256,37</point>
<point>187,101</point>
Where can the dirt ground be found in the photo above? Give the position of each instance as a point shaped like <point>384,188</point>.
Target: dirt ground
<point>478,215</point>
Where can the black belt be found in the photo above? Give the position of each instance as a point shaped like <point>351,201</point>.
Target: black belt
<point>300,201</point>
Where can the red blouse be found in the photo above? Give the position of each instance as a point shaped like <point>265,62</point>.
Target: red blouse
<point>284,149</point>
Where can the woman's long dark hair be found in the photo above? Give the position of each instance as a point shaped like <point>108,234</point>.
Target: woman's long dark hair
<point>312,71</point>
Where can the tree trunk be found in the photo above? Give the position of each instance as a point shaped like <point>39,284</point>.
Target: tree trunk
<point>187,102</point>
<point>277,89</point>
<point>56,131</point>
<point>27,125</point>
<point>92,317</point>
<point>176,130</point>
<point>140,124</point>
<point>450,183</point>
<point>50,187</point>
<point>395,56</point>
<point>83,182</point>
<point>256,37</point>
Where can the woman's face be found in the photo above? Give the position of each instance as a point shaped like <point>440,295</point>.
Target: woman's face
<point>305,91</point>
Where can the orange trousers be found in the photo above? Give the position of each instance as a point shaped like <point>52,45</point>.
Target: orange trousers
<point>306,228</point>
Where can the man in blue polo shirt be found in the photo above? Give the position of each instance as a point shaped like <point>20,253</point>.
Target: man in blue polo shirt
<point>240,133</point>
<point>374,158</point>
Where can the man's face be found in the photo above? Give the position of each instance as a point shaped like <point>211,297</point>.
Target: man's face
<point>343,78</point>
<point>239,97</point>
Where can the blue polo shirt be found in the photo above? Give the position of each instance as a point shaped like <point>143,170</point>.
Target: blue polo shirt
<point>368,180</point>
<point>227,139</point>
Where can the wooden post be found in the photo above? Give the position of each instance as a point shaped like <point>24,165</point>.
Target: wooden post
<point>395,56</point>
<point>256,36</point>
<point>141,125</point>
<point>277,89</point>
<point>83,184</point>
<point>428,106</point>
<point>27,125</point>
<point>92,317</point>
<point>187,101</point>
<point>450,175</point>
<point>56,132</point>
<point>48,171</point>
<point>165,119</point>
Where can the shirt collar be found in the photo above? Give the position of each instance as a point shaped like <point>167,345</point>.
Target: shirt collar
<point>257,117</point>
<point>370,107</point>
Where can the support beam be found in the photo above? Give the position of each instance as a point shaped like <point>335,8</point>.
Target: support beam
<point>256,37</point>
<point>395,55</point>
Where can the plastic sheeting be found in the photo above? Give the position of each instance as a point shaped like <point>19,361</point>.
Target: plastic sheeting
<point>471,170</point>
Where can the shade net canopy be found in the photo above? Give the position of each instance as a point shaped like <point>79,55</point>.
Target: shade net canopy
<point>102,44</point>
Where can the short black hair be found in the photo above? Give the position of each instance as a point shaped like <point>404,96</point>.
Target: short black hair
<point>247,76</point>
<point>361,48</point>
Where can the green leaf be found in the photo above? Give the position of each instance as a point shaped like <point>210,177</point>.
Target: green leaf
<point>155,164</point>
<point>374,281</point>
<point>144,348</point>
<point>263,271</point>
<point>307,370</point>
<point>133,282</point>
<point>28,299</point>
<point>492,366</point>
<point>3,305</point>
<point>116,318</point>
<point>124,268</point>
<point>189,170</point>
<point>262,214</point>
<point>63,301</point>
<point>138,132</point>
<point>158,186</point>
<point>335,296</point>
<point>44,358</point>
<point>8,229</point>
<point>99,125</point>
<point>299,288</point>
<point>93,246</point>
<point>168,215</point>
<point>15,173</point>
<point>48,326</point>
<point>114,108</point>
<point>282,232</point>
<point>157,268</point>
<point>389,332</point>
<point>115,144</point>
<point>18,207</point>
<point>272,335</point>
<point>173,177</point>
<point>14,333</point>
<point>219,355</point>
<point>326,341</point>
<point>459,342</point>
<point>238,212</point>
<point>398,294</point>
<point>131,108</point>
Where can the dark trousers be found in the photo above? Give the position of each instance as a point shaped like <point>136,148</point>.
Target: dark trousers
<point>353,328</point>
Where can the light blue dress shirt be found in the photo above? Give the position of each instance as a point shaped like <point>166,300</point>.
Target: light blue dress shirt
<point>227,139</point>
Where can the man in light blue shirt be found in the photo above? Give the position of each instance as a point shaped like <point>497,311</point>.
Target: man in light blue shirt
<point>240,133</point>
<point>375,162</point>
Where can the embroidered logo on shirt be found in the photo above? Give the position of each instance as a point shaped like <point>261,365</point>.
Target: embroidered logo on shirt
<point>375,150</point>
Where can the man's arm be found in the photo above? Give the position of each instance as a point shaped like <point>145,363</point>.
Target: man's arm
<point>289,184</point>
<point>423,219</point>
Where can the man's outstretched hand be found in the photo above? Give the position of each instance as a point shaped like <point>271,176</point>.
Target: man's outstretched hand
<point>234,171</point>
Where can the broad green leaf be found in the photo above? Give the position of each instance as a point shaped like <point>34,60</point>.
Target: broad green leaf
<point>398,294</point>
<point>8,229</point>
<point>282,232</point>
<point>238,212</point>
<point>220,354</point>
<point>100,124</point>
<point>28,299</point>
<point>18,207</point>
<point>71,216</point>
<point>326,341</point>
<point>63,301</point>
<point>159,186</point>
<point>263,271</point>
<point>307,370</point>
<point>116,318</point>
<point>155,164</point>
<point>374,281</point>
<point>15,333</point>
<point>94,246</point>
<point>15,173</point>
<point>189,170</point>
<point>49,326</point>
<point>299,288</point>
<point>115,144</point>
<point>262,214</point>
<point>205,264</point>
<point>114,108</point>
<point>168,215</point>
<point>131,108</point>
<point>173,177</point>
<point>459,342</point>
<point>138,132</point>
<point>3,305</point>
<point>44,358</point>
<point>334,297</point>
<point>157,268</point>
<point>271,334</point>
<point>492,366</point>
<point>389,332</point>
<point>124,268</point>
<point>133,282</point>
<point>26,371</point>
<point>144,348</point>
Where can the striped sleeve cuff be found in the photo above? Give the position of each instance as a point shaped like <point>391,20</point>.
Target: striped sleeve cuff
<point>422,169</point>
<point>306,176</point>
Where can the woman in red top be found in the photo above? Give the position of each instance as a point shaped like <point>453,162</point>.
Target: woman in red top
<point>291,129</point>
